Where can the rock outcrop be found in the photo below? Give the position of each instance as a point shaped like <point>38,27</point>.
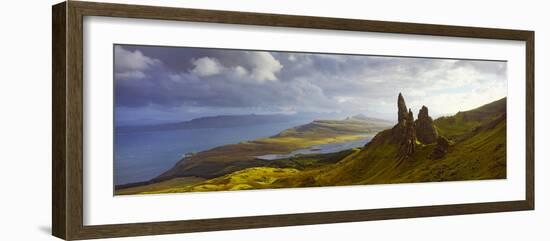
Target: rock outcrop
<point>441,148</point>
<point>404,133</point>
<point>425,129</point>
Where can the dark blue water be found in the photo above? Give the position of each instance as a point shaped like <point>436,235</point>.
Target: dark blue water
<point>140,156</point>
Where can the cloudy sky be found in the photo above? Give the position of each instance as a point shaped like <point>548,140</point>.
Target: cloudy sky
<point>162,84</point>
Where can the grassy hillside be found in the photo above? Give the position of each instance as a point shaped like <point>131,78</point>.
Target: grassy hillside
<point>476,151</point>
<point>454,126</point>
<point>480,156</point>
<point>278,172</point>
<point>227,159</point>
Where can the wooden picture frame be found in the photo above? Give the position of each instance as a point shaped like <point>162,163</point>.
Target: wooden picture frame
<point>67,149</point>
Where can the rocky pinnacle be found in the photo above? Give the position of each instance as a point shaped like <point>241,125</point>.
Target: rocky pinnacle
<point>425,129</point>
<point>404,133</point>
<point>401,109</point>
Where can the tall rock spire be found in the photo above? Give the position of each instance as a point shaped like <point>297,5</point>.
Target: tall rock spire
<point>404,133</point>
<point>401,109</point>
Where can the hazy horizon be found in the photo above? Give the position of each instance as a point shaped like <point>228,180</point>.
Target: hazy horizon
<point>319,116</point>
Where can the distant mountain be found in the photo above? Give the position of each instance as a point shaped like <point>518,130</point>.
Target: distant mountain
<point>368,118</point>
<point>340,127</point>
<point>221,121</point>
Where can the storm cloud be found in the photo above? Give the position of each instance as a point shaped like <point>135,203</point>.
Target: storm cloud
<point>193,82</point>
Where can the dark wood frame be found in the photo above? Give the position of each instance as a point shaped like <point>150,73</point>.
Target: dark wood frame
<point>67,158</point>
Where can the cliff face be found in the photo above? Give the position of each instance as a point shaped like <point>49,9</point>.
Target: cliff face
<point>425,129</point>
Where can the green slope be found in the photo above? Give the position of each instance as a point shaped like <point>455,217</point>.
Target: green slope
<point>477,151</point>
<point>481,155</point>
<point>454,126</point>
<point>227,159</point>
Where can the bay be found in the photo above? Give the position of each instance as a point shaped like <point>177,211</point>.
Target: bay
<point>140,156</point>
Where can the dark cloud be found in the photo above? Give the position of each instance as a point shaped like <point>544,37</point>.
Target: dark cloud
<point>167,77</point>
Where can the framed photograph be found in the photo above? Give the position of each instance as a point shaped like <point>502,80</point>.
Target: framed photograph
<point>171,120</point>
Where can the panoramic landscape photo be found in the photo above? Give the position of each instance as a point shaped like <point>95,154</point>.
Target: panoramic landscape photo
<point>192,119</point>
